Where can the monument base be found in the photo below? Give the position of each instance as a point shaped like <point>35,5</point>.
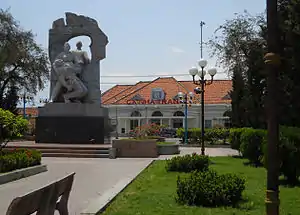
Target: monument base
<point>72,123</point>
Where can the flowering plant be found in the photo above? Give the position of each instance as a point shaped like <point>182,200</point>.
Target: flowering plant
<point>144,131</point>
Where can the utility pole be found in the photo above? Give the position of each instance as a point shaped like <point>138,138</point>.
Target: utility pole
<point>201,38</point>
<point>272,61</point>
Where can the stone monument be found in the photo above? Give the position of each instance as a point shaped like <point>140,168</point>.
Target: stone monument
<point>74,114</point>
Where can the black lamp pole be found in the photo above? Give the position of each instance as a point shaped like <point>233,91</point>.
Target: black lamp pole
<point>272,61</point>
<point>202,82</point>
<point>117,122</point>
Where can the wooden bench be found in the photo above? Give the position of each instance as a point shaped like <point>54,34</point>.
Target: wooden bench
<point>44,201</point>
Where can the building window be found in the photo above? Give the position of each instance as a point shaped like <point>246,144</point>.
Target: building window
<point>178,113</point>
<point>157,94</point>
<point>178,123</point>
<point>136,114</point>
<point>134,122</point>
<point>157,114</point>
<point>207,123</point>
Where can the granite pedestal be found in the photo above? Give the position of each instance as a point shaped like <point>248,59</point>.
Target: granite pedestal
<point>71,123</point>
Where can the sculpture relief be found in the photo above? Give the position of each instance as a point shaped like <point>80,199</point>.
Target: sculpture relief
<point>75,77</point>
<point>68,69</point>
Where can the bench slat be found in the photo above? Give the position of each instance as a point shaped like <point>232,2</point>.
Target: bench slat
<point>44,201</point>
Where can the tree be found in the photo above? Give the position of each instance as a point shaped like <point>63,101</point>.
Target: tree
<point>237,96</point>
<point>11,99</point>
<point>289,23</point>
<point>240,49</point>
<point>23,63</point>
<point>11,127</point>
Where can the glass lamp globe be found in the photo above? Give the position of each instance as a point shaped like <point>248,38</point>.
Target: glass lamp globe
<point>193,71</point>
<point>212,71</point>
<point>180,94</point>
<point>202,63</point>
<point>202,73</point>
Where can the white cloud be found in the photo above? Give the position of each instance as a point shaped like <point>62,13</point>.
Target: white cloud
<point>175,49</point>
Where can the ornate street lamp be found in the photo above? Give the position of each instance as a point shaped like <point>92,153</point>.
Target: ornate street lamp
<point>186,99</point>
<point>202,82</point>
<point>25,99</point>
<point>44,101</point>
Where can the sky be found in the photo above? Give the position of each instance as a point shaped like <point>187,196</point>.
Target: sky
<point>146,38</point>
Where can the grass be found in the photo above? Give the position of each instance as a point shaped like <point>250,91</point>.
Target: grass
<point>165,143</point>
<point>154,190</point>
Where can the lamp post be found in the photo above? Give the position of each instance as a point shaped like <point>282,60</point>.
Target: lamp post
<point>117,122</point>
<point>272,61</point>
<point>43,101</point>
<point>24,99</point>
<point>202,82</point>
<point>183,97</point>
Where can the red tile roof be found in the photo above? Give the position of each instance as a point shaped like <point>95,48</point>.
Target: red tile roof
<point>110,97</point>
<point>31,111</point>
<point>215,93</point>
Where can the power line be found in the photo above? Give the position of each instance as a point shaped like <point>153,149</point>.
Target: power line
<point>146,76</point>
<point>160,82</point>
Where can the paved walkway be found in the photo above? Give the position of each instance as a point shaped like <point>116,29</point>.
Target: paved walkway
<point>93,176</point>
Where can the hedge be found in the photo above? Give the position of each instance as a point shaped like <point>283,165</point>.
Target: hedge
<point>212,135</point>
<point>209,189</point>
<point>18,159</point>
<point>188,163</point>
<point>252,145</point>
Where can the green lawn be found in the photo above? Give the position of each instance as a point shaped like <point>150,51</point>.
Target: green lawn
<point>154,190</point>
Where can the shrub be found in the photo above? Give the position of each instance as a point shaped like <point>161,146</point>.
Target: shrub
<point>180,132</point>
<point>210,189</point>
<point>11,126</point>
<point>194,134</point>
<point>18,159</point>
<point>214,134</point>
<point>289,148</point>
<point>251,147</point>
<point>188,163</point>
<point>147,131</point>
<point>234,137</point>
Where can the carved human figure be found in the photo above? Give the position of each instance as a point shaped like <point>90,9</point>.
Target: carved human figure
<point>67,68</point>
<point>83,58</point>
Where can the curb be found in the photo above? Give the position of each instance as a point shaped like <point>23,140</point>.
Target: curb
<point>99,204</point>
<point>22,173</point>
<point>206,146</point>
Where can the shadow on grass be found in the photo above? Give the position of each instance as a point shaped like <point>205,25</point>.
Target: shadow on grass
<point>237,156</point>
<point>251,164</point>
<point>284,182</point>
<point>245,205</point>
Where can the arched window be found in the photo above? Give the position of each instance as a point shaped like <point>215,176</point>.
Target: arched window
<point>178,113</point>
<point>157,113</point>
<point>158,116</point>
<point>136,114</point>
<point>178,122</point>
<point>134,122</point>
